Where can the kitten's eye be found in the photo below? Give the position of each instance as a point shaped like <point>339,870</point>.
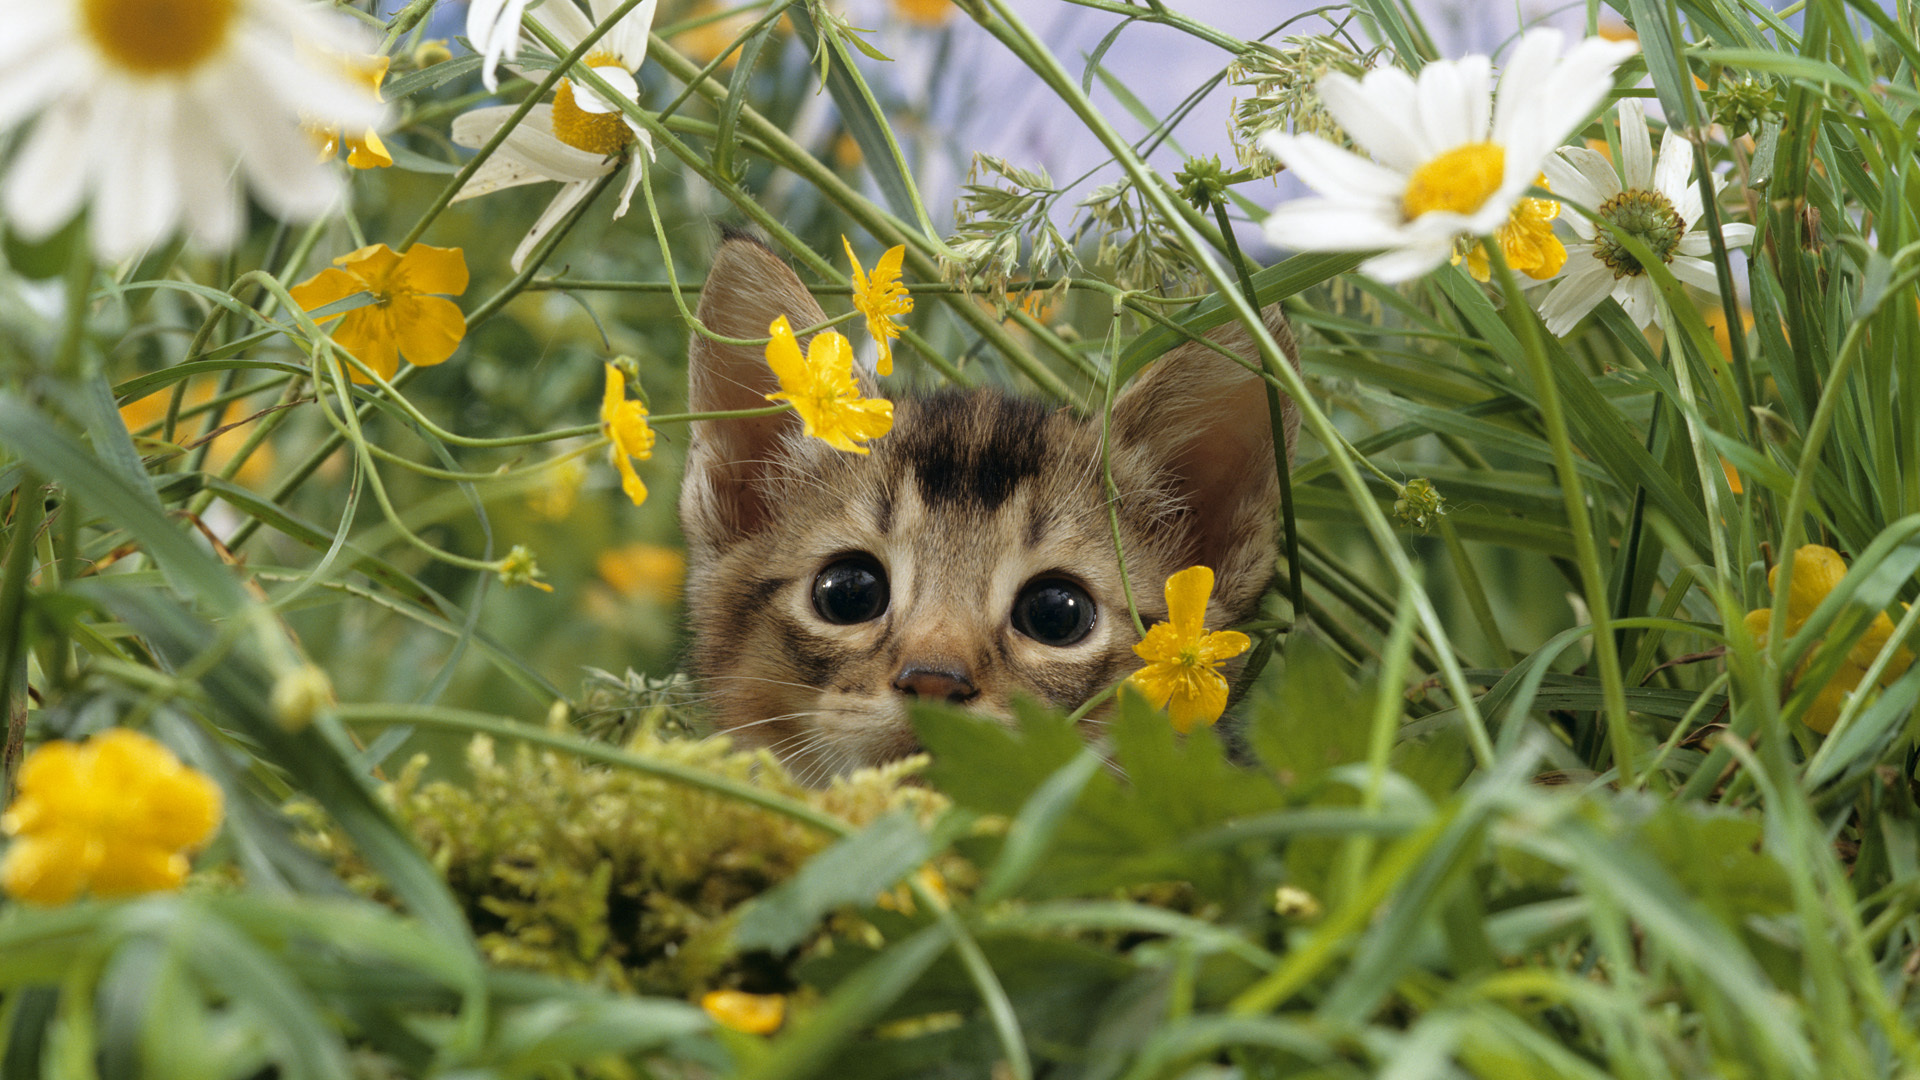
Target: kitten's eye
<point>851,590</point>
<point>1053,611</point>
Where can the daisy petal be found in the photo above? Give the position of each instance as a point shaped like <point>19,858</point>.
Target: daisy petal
<point>1330,170</point>
<point>1575,295</point>
<point>628,38</point>
<point>1525,72</point>
<point>1381,115</point>
<point>1673,175</point>
<point>570,196</point>
<point>1453,101</point>
<point>568,23</point>
<point>43,188</point>
<point>1636,295</point>
<point>1406,263</point>
<point>1636,146</point>
<point>1325,225</point>
<point>1582,175</point>
<point>1696,272</point>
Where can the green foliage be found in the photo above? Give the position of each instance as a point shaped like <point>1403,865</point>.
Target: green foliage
<point>1521,792</point>
<point>635,882</point>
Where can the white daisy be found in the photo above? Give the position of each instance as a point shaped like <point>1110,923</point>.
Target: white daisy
<point>1656,201</point>
<point>493,26</point>
<point>148,109</point>
<point>579,137</point>
<point>1450,160</point>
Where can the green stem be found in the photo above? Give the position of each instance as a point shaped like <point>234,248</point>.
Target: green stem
<point>1526,327</point>
<point>1276,419</point>
<point>1018,37</point>
<point>1111,489</point>
<point>440,718</point>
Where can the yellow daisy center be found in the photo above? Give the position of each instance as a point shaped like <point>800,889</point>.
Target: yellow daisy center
<point>596,133</point>
<point>1458,181</point>
<point>158,37</point>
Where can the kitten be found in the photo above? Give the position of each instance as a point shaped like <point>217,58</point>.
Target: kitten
<point>968,558</point>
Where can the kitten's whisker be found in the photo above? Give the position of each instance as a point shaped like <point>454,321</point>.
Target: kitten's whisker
<point>764,679</point>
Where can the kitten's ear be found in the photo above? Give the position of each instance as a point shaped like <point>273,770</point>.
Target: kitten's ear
<point>1203,419</point>
<point>722,497</point>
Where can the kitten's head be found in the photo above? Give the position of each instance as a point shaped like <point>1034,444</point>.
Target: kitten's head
<point>969,557</point>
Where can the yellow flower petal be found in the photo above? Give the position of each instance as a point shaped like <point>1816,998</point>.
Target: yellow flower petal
<point>1223,645</point>
<point>880,298</point>
<point>427,329</point>
<point>329,286</point>
<point>822,389</point>
<point>368,151</point>
<point>1187,593</point>
<point>404,320</point>
<point>115,815</point>
<point>428,269</point>
<point>783,355</point>
<point>755,1014</point>
<point>1816,570</point>
<point>1183,657</point>
<point>368,334</point>
<point>1199,698</point>
<point>624,422</point>
<point>47,870</point>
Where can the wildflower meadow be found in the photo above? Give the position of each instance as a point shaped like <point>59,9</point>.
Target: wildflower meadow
<point>344,402</point>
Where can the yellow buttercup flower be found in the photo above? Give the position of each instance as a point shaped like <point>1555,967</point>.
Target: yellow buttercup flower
<point>821,387</point>
<point>365,150</point>
<point>625,423</point>
<point>881,298</point>
<point>755,1014</point>
<point>1183,658</point>
<point>1817,570</point>
<point>406,319</point>
<point>113,816</point>
<point>1526,241</point>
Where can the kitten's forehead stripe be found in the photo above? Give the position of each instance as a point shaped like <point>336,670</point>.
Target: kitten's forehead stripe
<point>883,513</point>
<point>1039,516</point>
<point>973,448</point>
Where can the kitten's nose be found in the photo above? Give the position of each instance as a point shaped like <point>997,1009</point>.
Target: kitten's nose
<point>935,683</point>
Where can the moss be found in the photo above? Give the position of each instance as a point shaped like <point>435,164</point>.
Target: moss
<point>620,878</point>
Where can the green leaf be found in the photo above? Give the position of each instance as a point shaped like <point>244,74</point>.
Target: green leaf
<point>38,260</point>
<point>58,456</point>
<point>1719,857</point>
<point>854,870</point>
<point>1298,730</point>
<point>552,1036</point>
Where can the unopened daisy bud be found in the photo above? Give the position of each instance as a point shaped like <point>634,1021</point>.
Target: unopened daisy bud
<point>1292,902</point>
<point>1202,182</point>
<point>299,695</point>
<point>518,568</point>
<point>1743,106</point>
<point>1420,504</point>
